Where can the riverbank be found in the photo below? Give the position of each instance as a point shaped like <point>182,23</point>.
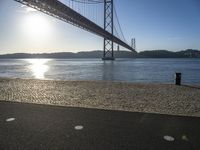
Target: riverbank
<point>151,98</point>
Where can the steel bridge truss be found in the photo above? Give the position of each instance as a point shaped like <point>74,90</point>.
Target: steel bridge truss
<point>108,53</point>
<point>59,10</point>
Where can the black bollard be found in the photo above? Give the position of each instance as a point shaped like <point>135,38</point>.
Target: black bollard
<point>178,79</point>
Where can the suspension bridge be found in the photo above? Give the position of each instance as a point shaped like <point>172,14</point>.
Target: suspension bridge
<point>95,16</point>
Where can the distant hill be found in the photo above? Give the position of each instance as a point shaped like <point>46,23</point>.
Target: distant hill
<point>63,55</point>
<point>168,54</point>
<point>98,54</point>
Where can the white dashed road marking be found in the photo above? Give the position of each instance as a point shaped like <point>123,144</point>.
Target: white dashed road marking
<point>78,127</point>
<point>168,138</point>
<point>10,119</point>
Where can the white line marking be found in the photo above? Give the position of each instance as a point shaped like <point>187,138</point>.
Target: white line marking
<point>78,127</point>
<point>10,119</point>
<point>169,138</point>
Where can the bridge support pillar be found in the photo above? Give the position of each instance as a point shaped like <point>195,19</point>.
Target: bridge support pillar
<point>108,52</point>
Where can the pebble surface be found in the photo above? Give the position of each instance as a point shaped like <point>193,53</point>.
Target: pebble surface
<point>151,98</point>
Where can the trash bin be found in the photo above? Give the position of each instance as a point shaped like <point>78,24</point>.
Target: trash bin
<point>178,78</point>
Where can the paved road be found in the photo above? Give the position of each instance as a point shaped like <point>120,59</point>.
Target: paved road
<point>38,127</point>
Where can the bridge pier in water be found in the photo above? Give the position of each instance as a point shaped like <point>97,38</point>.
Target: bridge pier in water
<point>108,45</point>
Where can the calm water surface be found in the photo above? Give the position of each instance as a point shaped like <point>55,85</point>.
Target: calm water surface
<point>128,70</point>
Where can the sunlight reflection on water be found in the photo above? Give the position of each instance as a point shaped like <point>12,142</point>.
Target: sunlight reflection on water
<point>128,70</point>
<point>38,67</point>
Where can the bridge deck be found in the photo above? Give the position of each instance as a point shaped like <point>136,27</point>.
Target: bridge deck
<point>59,10</point>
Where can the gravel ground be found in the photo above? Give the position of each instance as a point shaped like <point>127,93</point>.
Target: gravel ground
<point>152,98</point>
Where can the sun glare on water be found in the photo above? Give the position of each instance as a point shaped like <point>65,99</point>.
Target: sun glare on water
<point>38,67</point>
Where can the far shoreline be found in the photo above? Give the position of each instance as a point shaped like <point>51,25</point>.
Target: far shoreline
<point>188,53</point>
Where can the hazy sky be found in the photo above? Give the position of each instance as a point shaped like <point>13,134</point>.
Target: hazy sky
<point>156,24</point>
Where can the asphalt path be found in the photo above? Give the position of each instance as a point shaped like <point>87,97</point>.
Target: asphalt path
<point>41,127</point>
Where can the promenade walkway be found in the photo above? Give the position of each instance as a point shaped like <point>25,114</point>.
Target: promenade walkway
<point>32,126</point>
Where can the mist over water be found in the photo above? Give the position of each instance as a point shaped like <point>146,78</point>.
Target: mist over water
<point>128,70</point>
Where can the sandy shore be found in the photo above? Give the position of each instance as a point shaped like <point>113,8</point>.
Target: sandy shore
<point>153,98</point>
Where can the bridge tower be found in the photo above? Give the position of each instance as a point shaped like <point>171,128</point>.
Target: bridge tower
<point>108,53</point>
<point>133,44</point>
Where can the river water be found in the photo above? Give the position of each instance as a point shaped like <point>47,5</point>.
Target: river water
<point>128,70</point>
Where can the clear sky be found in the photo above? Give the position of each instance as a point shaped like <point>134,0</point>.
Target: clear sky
<point>156,24</point>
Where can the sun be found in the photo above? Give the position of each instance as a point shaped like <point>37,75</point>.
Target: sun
<point>36,25</point>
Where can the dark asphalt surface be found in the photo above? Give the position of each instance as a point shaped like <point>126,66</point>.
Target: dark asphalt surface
<point>41,127</point>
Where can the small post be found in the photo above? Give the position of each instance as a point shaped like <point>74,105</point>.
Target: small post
<point>178,78</point>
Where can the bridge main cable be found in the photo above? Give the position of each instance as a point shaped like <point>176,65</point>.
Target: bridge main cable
<point>58,10</point>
